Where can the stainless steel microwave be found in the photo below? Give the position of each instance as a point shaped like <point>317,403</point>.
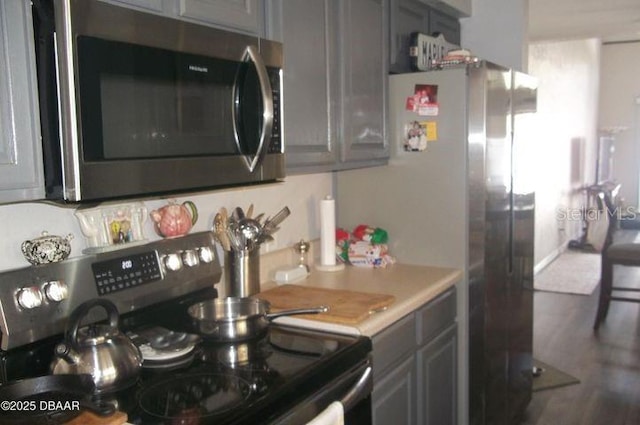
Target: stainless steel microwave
<point>137,104</point>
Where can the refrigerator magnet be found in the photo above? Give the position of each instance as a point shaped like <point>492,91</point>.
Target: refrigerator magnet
<point>425,99</point>
<point>415,136</point>
<point>431,130</point>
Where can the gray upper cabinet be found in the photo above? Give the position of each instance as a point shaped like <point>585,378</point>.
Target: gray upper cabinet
<point>159,6</point>
<point>446,25</point>
<point>409,16</point>
<point>335,82</point>
<point>21,175</point>
<point>243,15</point>
<point>311,83</point>
<point>406,17</point>
<point>364,30</point>
<point>457,8</point>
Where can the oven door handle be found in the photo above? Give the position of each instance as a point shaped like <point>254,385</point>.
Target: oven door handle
<point>252,54</point>
<point>353,395</point>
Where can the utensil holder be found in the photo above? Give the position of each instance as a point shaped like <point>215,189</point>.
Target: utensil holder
<point>242,272</point>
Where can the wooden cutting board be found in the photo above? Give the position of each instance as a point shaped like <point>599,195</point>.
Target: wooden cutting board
<point>89,418</point>
<point>345,307</point>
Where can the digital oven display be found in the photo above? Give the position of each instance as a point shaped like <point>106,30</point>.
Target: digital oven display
<point>123,273</point>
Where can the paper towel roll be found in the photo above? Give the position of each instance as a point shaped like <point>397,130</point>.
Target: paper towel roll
<point>328,231</point>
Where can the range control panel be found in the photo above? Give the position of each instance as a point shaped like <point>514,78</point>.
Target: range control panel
<point>36,301</point>
<point>122,273</point>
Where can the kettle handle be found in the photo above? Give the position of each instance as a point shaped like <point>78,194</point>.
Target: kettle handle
<point>71,334</point>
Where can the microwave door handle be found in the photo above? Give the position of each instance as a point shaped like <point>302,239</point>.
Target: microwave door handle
<point>252,54</point>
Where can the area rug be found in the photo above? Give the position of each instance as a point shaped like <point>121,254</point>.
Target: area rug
<point>551,377</point>
<point>573,272</point>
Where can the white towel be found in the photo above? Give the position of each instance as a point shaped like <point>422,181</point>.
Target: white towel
<point>332,415</point>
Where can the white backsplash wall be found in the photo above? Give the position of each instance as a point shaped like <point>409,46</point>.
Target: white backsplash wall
<point>301,194</point>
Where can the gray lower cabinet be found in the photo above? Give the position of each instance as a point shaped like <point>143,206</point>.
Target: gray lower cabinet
<point>437,380</point>
<point>415,367</point>
<point>21,175</point>
<point>393,398</point>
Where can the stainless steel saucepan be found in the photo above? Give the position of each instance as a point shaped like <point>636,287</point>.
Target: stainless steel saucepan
<point>237,319</point>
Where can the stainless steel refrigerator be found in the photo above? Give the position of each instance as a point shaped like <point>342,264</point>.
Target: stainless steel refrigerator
<point>458,192</point>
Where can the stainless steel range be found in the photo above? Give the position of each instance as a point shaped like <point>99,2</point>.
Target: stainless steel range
<point>286,375</point>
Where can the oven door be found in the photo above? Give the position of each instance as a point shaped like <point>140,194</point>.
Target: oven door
<point>352,389</point>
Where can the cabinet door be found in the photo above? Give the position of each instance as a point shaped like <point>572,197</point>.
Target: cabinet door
<point>406,16</point>
<point>458,8</point>
<point>310,83</point>
<point>446,25</point>
<point>152,5</point>
<point>393,397</point>
<point>437,380</point>
<point>364,29</point>
<point>21,176</point>
<point>242,15</point>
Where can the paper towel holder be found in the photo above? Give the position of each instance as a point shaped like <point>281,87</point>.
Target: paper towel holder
<point>327,237</point>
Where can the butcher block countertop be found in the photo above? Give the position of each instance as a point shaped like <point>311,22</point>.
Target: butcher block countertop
<point>411,286</point>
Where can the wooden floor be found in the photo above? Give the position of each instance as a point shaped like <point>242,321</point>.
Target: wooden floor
<point>607,362</point>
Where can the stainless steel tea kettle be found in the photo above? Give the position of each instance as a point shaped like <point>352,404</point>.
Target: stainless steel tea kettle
<point>102,351</point>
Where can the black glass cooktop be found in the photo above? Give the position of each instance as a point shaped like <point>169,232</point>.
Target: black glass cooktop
<point>248,382</point>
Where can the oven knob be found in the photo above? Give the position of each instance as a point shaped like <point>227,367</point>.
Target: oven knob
<point>173,262</point>
<point>190,258</point>
<point>56,290</point>
<point>206,254</point>
<point>29,298</point>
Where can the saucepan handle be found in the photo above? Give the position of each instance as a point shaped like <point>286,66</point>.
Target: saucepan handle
<point>314,310</point>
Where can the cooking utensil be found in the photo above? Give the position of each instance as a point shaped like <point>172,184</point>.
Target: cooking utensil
<point>220,232</point>
<point>250,231</point>
<point>60,389</point>
<point>238,214</point>
<point>101,351</point>
<point>347,307</point>
<point>277,219</point>
<point>237,319</point>
<point>259,217</point>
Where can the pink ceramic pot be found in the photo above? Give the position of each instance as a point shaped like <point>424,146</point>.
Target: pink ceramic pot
<point>174,219</point>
